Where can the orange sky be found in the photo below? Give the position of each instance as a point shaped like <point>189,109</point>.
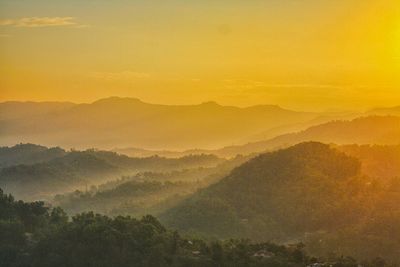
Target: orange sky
<point>309,55</point>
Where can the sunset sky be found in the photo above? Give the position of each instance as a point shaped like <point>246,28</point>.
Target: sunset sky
<point>305,55</point>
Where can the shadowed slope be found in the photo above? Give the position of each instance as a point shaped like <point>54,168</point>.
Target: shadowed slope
<point>275,195</point>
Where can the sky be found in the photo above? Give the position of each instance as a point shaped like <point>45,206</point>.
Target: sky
<point>304,55</point>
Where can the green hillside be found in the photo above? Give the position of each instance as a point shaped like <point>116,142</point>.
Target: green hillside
<point>33,235</point>
<point>297,194</point>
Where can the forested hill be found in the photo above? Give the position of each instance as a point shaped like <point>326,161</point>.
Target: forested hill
<point>40,180</point>
<point>274,195</point>
<point>66,171</point>
<point>306,191</point>
<point>33,235</point>
<point>28,154</point>
<point>381,161</point>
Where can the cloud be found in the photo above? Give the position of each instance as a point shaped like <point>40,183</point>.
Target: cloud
<point>120,76</point>
<point>39,22</point>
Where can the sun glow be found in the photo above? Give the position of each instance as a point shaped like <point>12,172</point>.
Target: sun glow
<point>302,55</point>
<point>397,45</point>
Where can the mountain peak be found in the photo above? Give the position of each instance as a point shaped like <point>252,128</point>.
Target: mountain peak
<point>117,100</point>
<point>210,104</point>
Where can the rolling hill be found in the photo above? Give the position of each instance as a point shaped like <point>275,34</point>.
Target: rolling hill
<point>28,154</point>
<point>34,235</point>
<point>274,195</point>
<point>129,122</point>
<point>379,130</point>
<point>308,193</point>
<point>40,174</point>
<point>146,192</point>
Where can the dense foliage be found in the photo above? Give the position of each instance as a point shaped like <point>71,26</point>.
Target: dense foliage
<point>288,192</point>
<point>35,236</point>
<point>310,193</point>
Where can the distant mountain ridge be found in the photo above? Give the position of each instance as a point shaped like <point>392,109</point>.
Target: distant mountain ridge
<point>380,130</point>
<point>122,122</point>
<point>129,122</point>
<point>384,130</point>
<point>385,111</point>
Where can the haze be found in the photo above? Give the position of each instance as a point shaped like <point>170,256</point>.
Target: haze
<point>200,133</point>
<point>303,55</point>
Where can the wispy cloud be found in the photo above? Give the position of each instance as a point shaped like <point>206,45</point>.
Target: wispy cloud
<point>120,76</point>
<point>32,22</point>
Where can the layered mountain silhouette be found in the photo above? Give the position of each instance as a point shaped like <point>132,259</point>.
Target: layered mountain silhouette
<point>35,172</point>
<point>123,122</point>
<point>383,130</point>
<point>380,130</point>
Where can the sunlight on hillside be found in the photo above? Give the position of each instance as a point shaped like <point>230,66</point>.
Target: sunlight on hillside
<point>173,133</point>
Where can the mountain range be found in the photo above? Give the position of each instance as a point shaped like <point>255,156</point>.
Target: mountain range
<point>129,122</point>
<point>372,129</point>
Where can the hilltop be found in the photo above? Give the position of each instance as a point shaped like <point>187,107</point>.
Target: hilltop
<point>309,192</point>
<point>273,195</point>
